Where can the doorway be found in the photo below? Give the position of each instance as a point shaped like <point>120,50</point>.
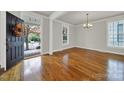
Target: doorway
<point>32,40</point>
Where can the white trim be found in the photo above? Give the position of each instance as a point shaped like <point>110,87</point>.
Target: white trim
<point>41,36</point>
<point>47,52</point>
<point>99,50</point>
<point>107,37</point>
<point>62,22</point>
<point>43,16</point>
<point>55,50</point>
<point>3,39</point>
<point>31,18</point>
<point>31,14</point>
<point>57,14</point>
<point>51,37</point>
<point>61,49</point>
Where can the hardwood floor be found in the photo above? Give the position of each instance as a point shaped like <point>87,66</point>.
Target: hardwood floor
<point>71,64</point>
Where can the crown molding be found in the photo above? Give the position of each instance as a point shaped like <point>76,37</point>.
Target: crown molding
<point>57,14</point>
<point>63,22</point>
<point>107,19</point>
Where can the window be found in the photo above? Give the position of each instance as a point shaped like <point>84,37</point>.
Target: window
<point>116,34</point>
<point>65,35</point>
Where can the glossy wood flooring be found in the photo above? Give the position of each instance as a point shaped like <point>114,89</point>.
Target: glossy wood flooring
<point>71,64</point>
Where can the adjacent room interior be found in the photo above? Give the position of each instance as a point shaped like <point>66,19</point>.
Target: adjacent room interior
<point>62,45</point>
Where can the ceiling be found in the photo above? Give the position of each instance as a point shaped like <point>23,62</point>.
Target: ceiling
<point>78,17</point>
<point>45,13</point>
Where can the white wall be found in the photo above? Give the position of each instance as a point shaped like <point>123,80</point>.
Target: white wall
<point>57,36</point>
<point>45,35</point>
<point>96,38</point>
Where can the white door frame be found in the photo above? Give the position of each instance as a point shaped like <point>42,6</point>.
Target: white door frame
<point>34,15</point>
<point>3,39</point>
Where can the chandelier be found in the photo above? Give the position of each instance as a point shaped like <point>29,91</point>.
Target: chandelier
<point>87,25</point>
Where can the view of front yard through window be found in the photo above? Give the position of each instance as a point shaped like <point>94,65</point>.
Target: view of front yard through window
<point>32,40</point>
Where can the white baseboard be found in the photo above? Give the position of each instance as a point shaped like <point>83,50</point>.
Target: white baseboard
<point>47,52</point>
<point>99,50</point>
<point>63,48</point>
<point>58,50</point>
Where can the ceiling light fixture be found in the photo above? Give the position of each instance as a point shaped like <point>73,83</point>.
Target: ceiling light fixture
<point>87,25</point>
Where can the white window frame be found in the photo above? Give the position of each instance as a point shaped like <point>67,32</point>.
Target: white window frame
<point>67,26</point>
<point>118,47</point>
